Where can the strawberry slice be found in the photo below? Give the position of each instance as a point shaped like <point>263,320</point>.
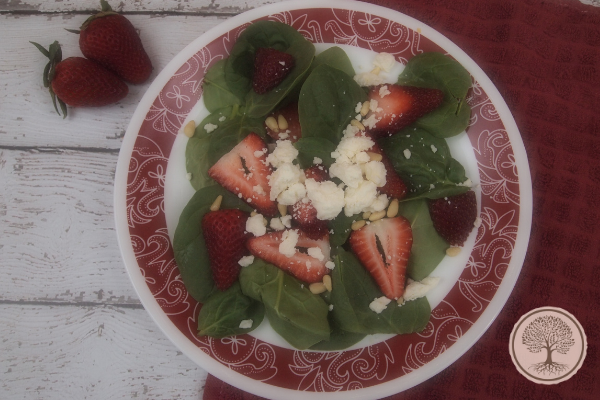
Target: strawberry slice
<point>304,214</point>
<point>453,217</point>
<point>271,66</point>
<point>399,106</point>
<point>244,171</point>
<point>394,185</point>
<point>299,263</point>
<point>317,172</point>
<point>225,236</point>
<point>292,132</point>
<point>383,248</point>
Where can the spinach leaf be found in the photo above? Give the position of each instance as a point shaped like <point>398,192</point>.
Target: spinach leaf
<point>430,172</point>
<point>189,246</point>
<point>339,339</point>
<point>205,149</point>
<point>311,147</point>
<point>216,93</point>
<point>334,57</point>
<point>354,289</point>
<point>327,102</point>
<point>240,64</point>
<point>222,313</point>
<point>428,247</point>
<point>296,314</point>
<point>341,227</point>
<point>436,70</point>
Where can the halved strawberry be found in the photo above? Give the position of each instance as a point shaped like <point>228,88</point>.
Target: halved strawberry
<point>292,132</point>
<point>225,236</point>
<point>244,171</point>
<point>453,217</point>
<point>304,216</point>
<point>302,265</point>
<point>383,248</point>
<point>317,172</point>
<point>394,185</point>
<point>271,66</point>
<point>399,106</point>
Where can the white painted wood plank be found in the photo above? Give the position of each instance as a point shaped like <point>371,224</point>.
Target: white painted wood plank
<point>67,352</point>
<point>57,235</point>
<point>198,6</point>
<point>28,117</point>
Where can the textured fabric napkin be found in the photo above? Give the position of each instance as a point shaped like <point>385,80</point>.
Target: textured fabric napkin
<point>544,58</point>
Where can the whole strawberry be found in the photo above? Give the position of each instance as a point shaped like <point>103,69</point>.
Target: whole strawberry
<point>225,237</point>
<point>453,217</point>
<point>111,40</point>
<point>79,82</point>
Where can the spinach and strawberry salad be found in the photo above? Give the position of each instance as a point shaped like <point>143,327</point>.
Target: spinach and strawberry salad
<point>324,198</point>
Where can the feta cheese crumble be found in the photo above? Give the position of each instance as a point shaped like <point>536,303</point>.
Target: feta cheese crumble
<point>415,290</point>
<point>407,153</point>
<point>210,127</point>
<point>246,260</point>
<point>379,304</point>
<point>315,252</point>
<point>246,324</point>
<point>326,198</point>
<point>288,245</point>
<point>330,265</point>
<point>385,61</point>
<point>256,225</point>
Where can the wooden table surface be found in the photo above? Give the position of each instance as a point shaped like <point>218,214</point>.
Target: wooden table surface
<point>71,324</point>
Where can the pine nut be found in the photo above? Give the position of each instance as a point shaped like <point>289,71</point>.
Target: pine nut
<point>358,224</point>
<point>453,251</point>
<point>317,288</point>
<point>217,203</point>
<point>327,282</point>
<point>400,300</point>
<point>282,122</point>
<point>377,215</point>
<point>365,108</point>
<point>357,124</point>
<point>253,213</point>
<point>189,129</point>
<point>282,209</point>
<point>367,214</point>
<point>375,156</point>
<point>392,210</point>
<point>271,123</point>
<point>376,70</point>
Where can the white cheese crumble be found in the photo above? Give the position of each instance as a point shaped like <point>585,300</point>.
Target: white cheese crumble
<point>350,174</point>
<point>375,172</point>
<point>331,307</point>
<point>255,225</point>
<point>258,189</point>
<point>371,121</point>
<point>383,91</point>
<point>292,195</point>
<point>385,61</point>
<point>315,252</point>
<point>246,324</point>
<point>288,245</point>
<point>276,224</point>
<point>415,290</point>
<point>406,153</point>
<point>433,148</point>
<point>330,265</point>
<point>379,304</point>
<point>210,127</point>
<point>285,176</point>
<point>368,79</point>
<point>284,152</point>
<point>326,198</point>
<point>284,135</point>
<point>359,198</point>
<point>317,161</point>
<point>246,260</point>
<point>286,221</point>
<point>222,118</point>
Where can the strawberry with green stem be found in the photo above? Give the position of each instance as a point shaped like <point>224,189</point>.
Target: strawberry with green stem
<point>79,82</point>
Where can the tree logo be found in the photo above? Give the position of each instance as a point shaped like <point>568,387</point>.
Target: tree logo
<point>548,345</point>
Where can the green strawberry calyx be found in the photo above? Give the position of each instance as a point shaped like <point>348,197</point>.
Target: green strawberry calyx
<point>54,54</point>
<point>105,12</point>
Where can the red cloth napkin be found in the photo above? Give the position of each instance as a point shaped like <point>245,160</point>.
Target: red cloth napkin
<point>544,58</point>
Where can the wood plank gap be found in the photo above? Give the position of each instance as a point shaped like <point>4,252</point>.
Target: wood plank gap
<point>132,306</point>
<point>60,150</point>
<point>150,13</point>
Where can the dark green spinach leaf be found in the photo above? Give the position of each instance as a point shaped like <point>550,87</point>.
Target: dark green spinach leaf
<point>334,57</point>
<point>216,93</point>
<point>436,70</point>
<point>339,339</point>
<point>430,172</point>
<point>341,228</point>
<point>296,314</point>
<point>428,247</point>
<point>327,103</point>
<point>189,246</point>
<point>222,313</point>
